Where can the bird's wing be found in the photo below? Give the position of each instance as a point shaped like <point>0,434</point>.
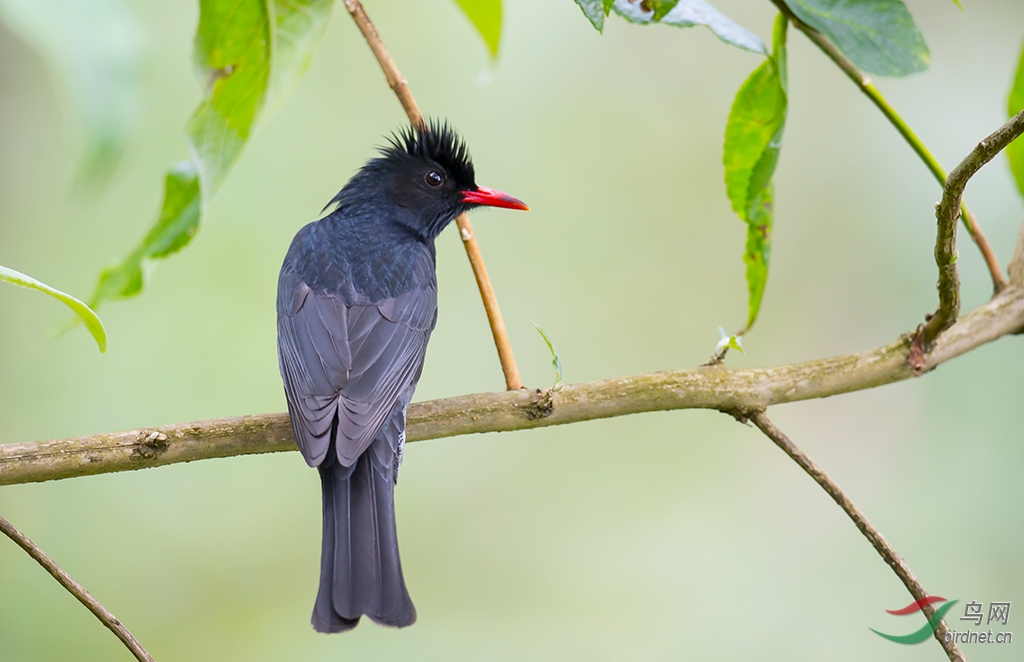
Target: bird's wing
<point>350,361</point>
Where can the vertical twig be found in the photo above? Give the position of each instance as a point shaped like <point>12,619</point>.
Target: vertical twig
<point>1016,268</point>
<point>881,545</point>
<point>476,260</point>
<point>865,85</point>
<point>76,589</point>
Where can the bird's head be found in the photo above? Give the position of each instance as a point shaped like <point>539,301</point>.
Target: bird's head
<point>429,174</point>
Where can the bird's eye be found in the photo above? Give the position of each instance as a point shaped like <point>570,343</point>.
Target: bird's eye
<point>433,179</point>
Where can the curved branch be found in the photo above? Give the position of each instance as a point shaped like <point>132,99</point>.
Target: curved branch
<point>946,213</point>
<point>867,529</point>
<point>707,387</point>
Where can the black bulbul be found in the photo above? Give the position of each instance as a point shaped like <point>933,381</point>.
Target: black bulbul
<point>356,302</point>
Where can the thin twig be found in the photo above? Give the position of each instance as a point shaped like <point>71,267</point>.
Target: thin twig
<point>401,89</point>
<point>77,590</point>
<point>714,387</point>
<point>946,216</point>
<point>881,545</point>
<point>1016,268</point>
<point>867,87</point>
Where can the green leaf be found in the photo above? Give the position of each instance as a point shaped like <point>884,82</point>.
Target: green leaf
<point>957,3</point>
<point>595,11</point>
<point>177,224</point>
<point>246,61</point>
<point>95,51</point>
<point>757,253</point>
<point>485,15</point>
<point>92,322</point>
<point>607,6</point>
<point>687,13</point>
<point>1015,151</point>
<point>556,359</point>
<point>660,7</point>
<point>879,36</point>
<point>753,137</point>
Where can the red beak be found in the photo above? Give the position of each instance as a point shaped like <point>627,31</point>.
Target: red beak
<point>492,198</point>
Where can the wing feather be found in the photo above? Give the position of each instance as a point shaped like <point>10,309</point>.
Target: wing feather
<point>348,364</point>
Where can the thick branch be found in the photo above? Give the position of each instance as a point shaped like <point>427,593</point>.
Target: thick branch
<point>77,590</point>
<point>865,85</point>
<point>708,387</point>
<point>476,260</point>
<point>881,545</point>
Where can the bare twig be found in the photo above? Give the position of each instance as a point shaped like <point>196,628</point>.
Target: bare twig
<point>77,590</point>
<point>865,85</point>
<point>1016,268</point>
<point>881,545</point>
<point>946,213</point>
<point>713,387</point>
<point>401,88</point>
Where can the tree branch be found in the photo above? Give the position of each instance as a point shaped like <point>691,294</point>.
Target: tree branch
<point>865,85</point>
<point>412,110</point>
<point>708,387</point>
<point>77,590</point>
<point>946,213</point>
<point>881,545</point>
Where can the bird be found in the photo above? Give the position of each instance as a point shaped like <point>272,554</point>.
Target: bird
<point>356,304</point>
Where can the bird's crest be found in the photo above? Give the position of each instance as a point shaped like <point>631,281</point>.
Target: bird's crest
<point>436,142</point>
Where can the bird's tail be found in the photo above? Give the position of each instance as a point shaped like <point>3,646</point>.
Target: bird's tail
<point>360,571</point>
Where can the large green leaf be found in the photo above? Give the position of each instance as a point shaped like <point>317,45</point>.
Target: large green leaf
<point>687,13</point>
<point>1015,152</point>
<point>249,53</point>
<point>485,15</point>
<point>879,36</point>
<point>92,322</point>
<point>753,135</point>
<point>95,51</point>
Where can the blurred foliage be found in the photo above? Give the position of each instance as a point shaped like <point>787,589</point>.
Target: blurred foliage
<point>95,50</point>
<point>244,51</point>
<point>486,18</point>
<point>177,224</point>
<point>1015,104</point>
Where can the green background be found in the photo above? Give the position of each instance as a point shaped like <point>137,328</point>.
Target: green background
<point>678,535</point>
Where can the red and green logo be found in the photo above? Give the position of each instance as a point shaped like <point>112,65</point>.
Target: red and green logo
<point>928,628</point>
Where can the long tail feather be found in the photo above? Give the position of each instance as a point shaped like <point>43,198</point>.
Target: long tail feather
<point>360,568</point>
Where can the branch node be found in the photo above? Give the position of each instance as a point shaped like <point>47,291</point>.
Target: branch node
<point>150,445</point>
<point>541,405</point>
